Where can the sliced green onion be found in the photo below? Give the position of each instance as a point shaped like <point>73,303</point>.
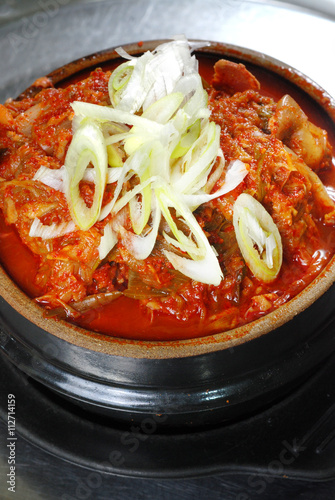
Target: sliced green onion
<point>195,95</point>
<point>113,129</point>
<point>161,111</point>
<point>167,199</point>
<point>141,246</point>
<point>119,80</point>
<point>258,238</point>
<point>205,270</point>
<point>139,210</point>
<point>187,140</point>
<point>159,119</point>
<point>87,146</point>
<point>105,113</point>
<point>235,175</point>
<point>125,199</point>
<point>107,241</point>
<point>114,157</point>
<point>106,210</point>
<point>133,84</point>
<point>51,177</point>
<point>198,161</point>
<point>113,174</point>
<point>39,230</point>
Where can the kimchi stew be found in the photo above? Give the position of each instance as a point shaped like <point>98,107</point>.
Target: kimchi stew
<point>157,200</point>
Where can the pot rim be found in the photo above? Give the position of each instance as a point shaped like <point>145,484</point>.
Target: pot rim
<point>162,349</point>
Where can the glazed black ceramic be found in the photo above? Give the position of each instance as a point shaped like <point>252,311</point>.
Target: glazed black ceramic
<point>190,382</point>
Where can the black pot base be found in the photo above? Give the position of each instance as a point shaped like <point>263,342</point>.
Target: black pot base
<point>294,438</point>
<point>208,389</point>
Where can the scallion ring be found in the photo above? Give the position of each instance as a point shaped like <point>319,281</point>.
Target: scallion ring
<point>258,238</point>
<point>87,146</point>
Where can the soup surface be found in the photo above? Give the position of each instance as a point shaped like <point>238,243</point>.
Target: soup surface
<point>269,132</point>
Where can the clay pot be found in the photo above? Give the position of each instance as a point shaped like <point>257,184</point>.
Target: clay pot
<point>191,382</point>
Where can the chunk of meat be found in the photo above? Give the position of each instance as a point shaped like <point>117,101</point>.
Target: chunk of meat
<point>233,77</point>
<point>291,125</point>
<point>325,204</point>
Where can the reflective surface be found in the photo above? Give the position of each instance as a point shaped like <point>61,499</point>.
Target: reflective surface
<point>33,45</point>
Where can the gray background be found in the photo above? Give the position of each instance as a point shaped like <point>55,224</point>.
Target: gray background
<point>38,36</point>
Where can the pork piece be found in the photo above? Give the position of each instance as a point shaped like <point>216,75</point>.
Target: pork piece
<point>233,77</point>
<point>325,206</point>
<point>291,125</point>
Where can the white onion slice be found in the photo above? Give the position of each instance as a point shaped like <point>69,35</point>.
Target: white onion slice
<point>53,178</point>
<point>107,241</point>
<point>154,75</point>
<point>199,160</point>
<point>39,230</point>
<point>141,246</point>
<point>123,53</point>
<point>206,270</point>
<point>168,199</point>
<point>236,172</point>
<point>106,113</point>
<point>258,238</point>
